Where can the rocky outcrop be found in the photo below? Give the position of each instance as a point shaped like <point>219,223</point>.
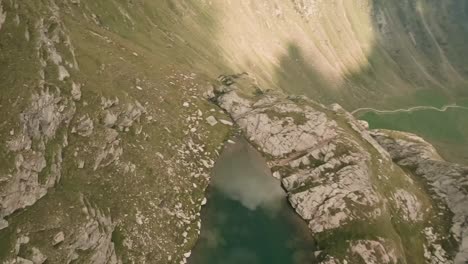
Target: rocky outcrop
<point>409,205</point>
<point>374,252</point>
<point>40,123</point>
<point>447,180</point>
<point>92,242</point>
<point>329,165</point>
<point>36,145</point>
<point>312,146</point>
<point>85,127</point>
<point>339,177</point>
<point>88,242</point>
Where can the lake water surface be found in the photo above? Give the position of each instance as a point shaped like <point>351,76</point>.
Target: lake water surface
<point>247,219</point>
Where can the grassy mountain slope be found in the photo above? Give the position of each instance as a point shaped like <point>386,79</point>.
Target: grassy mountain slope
<point>357,53</point>
<point>137,168</point>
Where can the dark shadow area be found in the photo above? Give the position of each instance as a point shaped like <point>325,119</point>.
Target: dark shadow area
<point>297,76</point>
<point>417,59</point>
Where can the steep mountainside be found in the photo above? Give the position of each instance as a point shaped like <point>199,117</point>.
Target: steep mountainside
<point>107,138</point>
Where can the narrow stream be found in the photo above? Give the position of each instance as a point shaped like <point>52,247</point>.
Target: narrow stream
<point>247,219</point>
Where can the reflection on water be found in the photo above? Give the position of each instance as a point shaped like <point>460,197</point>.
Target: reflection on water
<point>242,175</point>
<point>247,219</point>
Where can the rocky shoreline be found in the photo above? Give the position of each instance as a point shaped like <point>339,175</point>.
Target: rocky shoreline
<point>340,176</point>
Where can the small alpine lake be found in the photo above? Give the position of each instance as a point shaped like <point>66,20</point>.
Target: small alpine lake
<point>247,218</point>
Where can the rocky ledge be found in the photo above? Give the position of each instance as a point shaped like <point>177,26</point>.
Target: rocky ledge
<point>449,181</point>
<point>340,180</point>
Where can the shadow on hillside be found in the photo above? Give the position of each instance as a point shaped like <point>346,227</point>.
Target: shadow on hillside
<point>408,64</point>
<point>296,75</point>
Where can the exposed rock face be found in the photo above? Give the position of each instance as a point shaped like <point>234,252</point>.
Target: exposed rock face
<point>374,252</point>
<point>76,92</point>
<point>89,242</point>
<point>131,115</point>
<point>58,238</point>
<point>409,205</point>
<point>40,122</point>
<point>324,168</point>
<point>43,123</point>
<point>129,151</point>
<point>448,180</point>
<point>337,176</point>
<point>329,169</point>
<point>434,252</point>
<point>94,237</point>
<point>85,127</point>
<point>111,150</point>
<point>37,256</point>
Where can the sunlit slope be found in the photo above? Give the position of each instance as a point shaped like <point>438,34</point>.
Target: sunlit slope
<point>357,53</point>
<point>352,52</point>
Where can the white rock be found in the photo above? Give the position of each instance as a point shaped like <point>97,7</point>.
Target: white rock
<point>110,119</point>
<point>27,35</point>
<point>409,205</point>
<point>37,257</point>
<point>3,15</point>
<point>76,91</point>
<point>58,238</point>
<point>139,218</point>
<point>85,126</point>
<point>63,73</point>
<point>373,252</point>
<point>277,175</point>
<point>211,120</point>
<point>81,164</point>
<point>225,122</point>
